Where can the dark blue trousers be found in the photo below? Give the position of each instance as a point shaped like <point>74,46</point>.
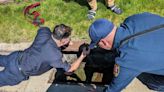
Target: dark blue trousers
<point>152,81</point>
<point>11,74</point>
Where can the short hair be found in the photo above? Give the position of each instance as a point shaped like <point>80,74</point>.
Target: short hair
<point>61,31</point>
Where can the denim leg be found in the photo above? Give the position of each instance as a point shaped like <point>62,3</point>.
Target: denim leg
<point>7,78</point>
<point>3,60</point>
<point>3,78</point>
<point>11,74</point>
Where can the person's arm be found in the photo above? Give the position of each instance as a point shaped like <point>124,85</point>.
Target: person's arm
<point>76,64</point>
<point>67,67</point>
<point>43,34</point>
<point>124,77</point>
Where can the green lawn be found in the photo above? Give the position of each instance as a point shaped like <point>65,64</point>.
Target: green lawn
<point>14,27</point>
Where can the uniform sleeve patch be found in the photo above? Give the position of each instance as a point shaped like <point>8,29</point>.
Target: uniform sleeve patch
<point>116,70</point>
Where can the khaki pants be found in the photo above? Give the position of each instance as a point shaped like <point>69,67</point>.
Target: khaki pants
<point>93,3</point>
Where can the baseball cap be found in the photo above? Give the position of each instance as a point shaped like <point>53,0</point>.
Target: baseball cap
<point>98,30</point>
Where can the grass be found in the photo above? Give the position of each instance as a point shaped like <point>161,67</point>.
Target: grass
<point>15,28</point>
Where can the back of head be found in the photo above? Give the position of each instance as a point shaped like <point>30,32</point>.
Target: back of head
<point>61,31</point>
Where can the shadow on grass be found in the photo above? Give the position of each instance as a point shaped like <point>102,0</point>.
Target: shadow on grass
<point>83,2</point>
<point>80,2</point>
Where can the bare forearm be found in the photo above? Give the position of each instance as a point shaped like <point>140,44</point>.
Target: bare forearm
<point>76,64</point>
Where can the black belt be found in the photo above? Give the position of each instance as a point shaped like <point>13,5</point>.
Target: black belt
<point>20,56</point>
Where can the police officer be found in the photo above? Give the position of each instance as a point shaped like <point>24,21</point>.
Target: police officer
<point>142,53</point>
<point>41,56</point>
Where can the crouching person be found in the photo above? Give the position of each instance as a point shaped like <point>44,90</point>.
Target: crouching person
<point>134,40</point>
<point>41,56</point>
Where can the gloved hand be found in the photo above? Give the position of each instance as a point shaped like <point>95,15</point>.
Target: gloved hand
<point>86,51</point>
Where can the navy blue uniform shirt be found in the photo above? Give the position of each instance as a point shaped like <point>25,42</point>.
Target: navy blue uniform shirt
<point>141,54</point>
<point>42,55</point>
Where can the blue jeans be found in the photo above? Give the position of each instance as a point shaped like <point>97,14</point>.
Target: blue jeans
<point>152,81</point>
<point>11,74</point>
